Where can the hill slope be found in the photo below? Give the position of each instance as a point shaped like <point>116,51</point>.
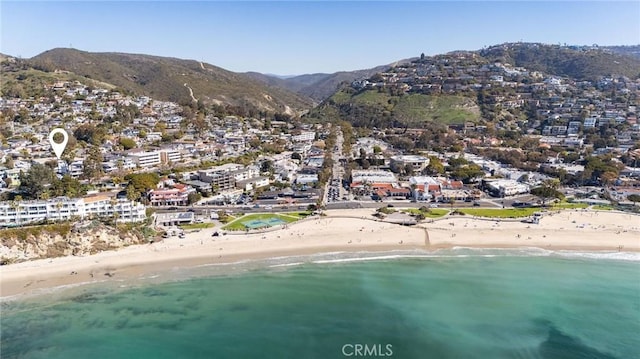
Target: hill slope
<point>381,109</point>
<point>174,79</point>
<point>581,63</point>
<point>319,86</point>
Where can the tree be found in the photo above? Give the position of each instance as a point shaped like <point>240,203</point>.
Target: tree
<point>194,197</point>
<point>548,190</point>
<point>408,169</point>
<point>435,166</point>
<point>634,198</point>
<point>142,182</point>
<point>92,164</point>
<point>67,186</point>
<point>90,134</point>
<point>36,181</point>
<point>267,166</point>
<point>132,194</point>
<point>127,143</point>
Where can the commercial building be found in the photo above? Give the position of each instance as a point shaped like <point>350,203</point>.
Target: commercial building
<point>418,163</point>
<point>503,187</point>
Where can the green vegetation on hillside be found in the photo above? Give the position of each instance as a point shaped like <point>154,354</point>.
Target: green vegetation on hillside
<point>374,108</point>
<point>169,79</point>
<point>582,64</point>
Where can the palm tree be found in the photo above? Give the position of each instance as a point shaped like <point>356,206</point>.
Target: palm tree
<point>59,209</point>
<point>113,202</point>
<point>15,204</point>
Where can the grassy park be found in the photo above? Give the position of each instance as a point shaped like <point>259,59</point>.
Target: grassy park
<point>500,212</point>
<point>239,224</point>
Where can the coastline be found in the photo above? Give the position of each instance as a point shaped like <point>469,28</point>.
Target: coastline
<point>340,231</point>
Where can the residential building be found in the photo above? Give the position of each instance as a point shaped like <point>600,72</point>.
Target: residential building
<point>304,136</point>
<point>177,196</point>
<point>63,208</point>
<point>144,159</point>
<point>168,156</point>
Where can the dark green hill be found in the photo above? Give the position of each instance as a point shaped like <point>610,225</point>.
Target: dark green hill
<point>580,63</point>
<point>171,79</point>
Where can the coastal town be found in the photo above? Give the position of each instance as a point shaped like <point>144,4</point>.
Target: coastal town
<point>133,156</point>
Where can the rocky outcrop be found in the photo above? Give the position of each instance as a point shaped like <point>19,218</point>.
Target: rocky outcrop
<point>58,240</point>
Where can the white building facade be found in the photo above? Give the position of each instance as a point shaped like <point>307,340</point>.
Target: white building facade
<point>63,208</point>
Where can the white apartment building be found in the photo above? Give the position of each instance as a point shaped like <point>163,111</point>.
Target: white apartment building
<point>225,177</point>
<point>304,136</point>
<point>63,208</point>
<point>170,156</point>
<point>145,159</point>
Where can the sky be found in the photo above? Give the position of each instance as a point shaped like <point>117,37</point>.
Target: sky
<point>299,37</point>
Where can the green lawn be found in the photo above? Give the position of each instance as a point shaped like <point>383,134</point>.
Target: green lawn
<point>499,212</point>
<point>237,225</point>
<point>433,212</point>
<point>197,226</point>
<point>601,207</point>
<point>568,205</point>
<point>298,215</point>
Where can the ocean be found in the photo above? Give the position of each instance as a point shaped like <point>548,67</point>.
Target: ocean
<point>459,303</point>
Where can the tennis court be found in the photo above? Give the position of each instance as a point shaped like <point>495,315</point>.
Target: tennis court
<point>261,223</point>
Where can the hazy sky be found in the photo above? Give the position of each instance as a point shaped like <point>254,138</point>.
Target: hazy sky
<point>296,37</point>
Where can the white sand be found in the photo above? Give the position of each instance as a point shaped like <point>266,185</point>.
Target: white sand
<point>591,231</point>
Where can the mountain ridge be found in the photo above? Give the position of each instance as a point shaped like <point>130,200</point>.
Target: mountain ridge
<point>170,78</point>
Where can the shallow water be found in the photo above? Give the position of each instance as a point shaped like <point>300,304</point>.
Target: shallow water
<point>460,303</point>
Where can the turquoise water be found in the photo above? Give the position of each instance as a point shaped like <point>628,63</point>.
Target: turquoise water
<point>457,304</point>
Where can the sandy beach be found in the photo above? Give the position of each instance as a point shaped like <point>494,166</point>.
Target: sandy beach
<point>338,231</point>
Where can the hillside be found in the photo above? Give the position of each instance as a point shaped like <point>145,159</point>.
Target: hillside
<point>459,86</point>
<point>21,80</point>
<point>381,109</point>
<point>580,63</point>
<point>319,86</point>
<point>174,79</point>
<point>633,50</point>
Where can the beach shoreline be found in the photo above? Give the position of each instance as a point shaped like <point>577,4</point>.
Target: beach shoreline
<point>349,231</point>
